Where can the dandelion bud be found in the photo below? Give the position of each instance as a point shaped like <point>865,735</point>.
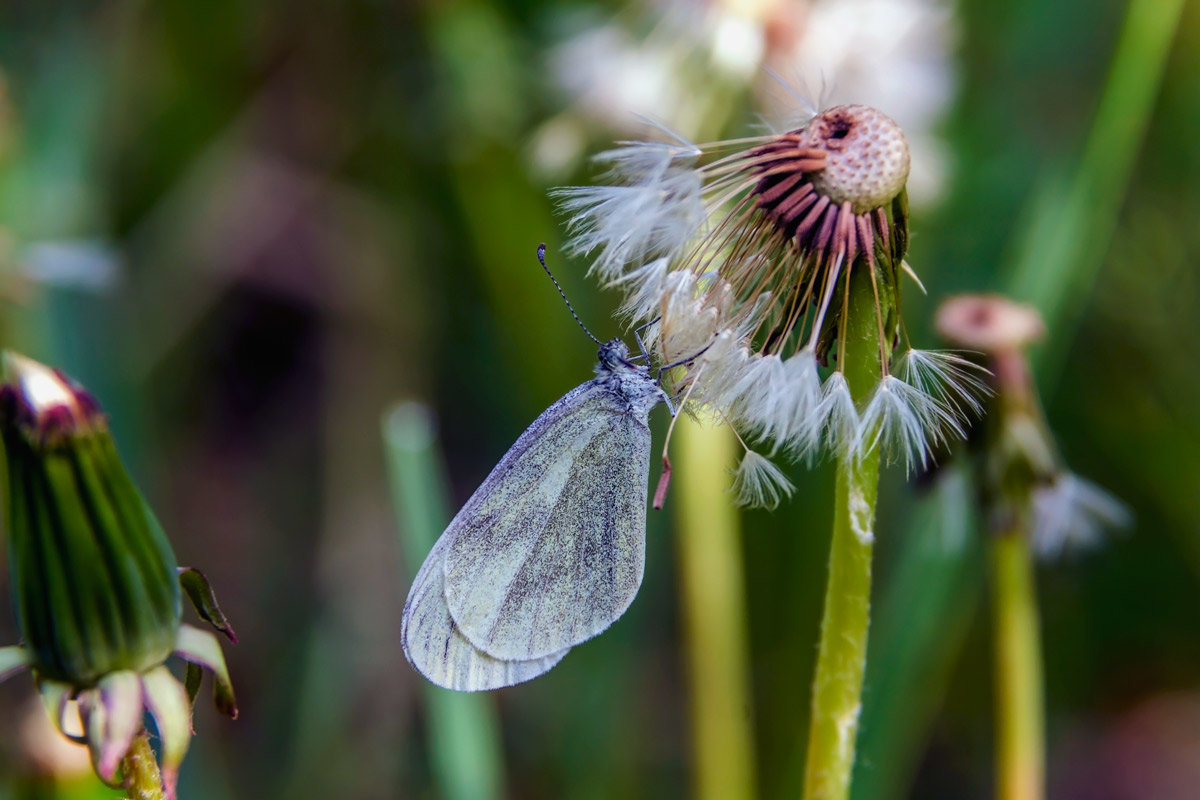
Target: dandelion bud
<point>94,576</point>
<point>96,585</point>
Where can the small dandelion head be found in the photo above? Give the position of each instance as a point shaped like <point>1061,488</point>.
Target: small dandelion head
<point>1022,476</point>
<point>989,323</point>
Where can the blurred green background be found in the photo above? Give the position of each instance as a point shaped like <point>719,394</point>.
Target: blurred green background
<point>253,227</point>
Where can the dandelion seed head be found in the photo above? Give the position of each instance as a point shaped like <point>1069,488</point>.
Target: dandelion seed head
<point>789,215</point>
<point>778,219</point>
<point>743,251</point>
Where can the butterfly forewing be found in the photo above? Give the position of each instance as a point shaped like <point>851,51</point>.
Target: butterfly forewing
<point>551,549</point>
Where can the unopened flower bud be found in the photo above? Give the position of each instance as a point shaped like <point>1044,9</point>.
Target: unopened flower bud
<point>94,576</point>
<point>98,592</point>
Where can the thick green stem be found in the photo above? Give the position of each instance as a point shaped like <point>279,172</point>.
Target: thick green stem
<point>842,655</point>
<point>142,778</point>
<point>1020,727</point>
<point>713,604</point>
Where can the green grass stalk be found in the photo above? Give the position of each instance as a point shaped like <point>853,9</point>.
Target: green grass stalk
<point>708,544</point>
<point>1071,222</point>
<point>464,735</point>
<point>842,653</point>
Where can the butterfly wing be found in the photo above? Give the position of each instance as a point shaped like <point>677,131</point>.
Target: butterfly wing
<point>550,550</point>
<point>433,644</point>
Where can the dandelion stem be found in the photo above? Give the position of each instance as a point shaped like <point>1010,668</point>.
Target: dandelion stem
<point>842,654</point>
<point>1020,728</point>
<point>140,770</point>
<point>710,560</point>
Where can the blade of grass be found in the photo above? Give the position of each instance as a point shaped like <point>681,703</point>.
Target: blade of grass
<point>464,735</point>
<point>1071,222</point>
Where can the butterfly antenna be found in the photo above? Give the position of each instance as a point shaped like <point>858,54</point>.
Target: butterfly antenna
<point>541,253</point>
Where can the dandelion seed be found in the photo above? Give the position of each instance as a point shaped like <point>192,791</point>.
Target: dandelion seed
<point>652,214</point>
<point>758,483</point>
<point>803,381</point>
<point>647,285</point>
<point>908,421</point>
<point>835,423</point>
<point>1071,514</point>
<point>763,394</point>
<point>688,322</point>
<point>958,383</point>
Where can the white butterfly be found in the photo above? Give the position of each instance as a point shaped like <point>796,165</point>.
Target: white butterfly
<point>550,549</point>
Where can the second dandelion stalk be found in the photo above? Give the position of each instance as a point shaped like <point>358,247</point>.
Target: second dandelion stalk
<point>1020,729</point>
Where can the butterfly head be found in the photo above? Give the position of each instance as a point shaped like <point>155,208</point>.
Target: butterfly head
<point>614,357</point>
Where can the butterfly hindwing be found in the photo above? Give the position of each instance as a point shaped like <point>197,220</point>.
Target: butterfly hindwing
<point>433,644</point>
